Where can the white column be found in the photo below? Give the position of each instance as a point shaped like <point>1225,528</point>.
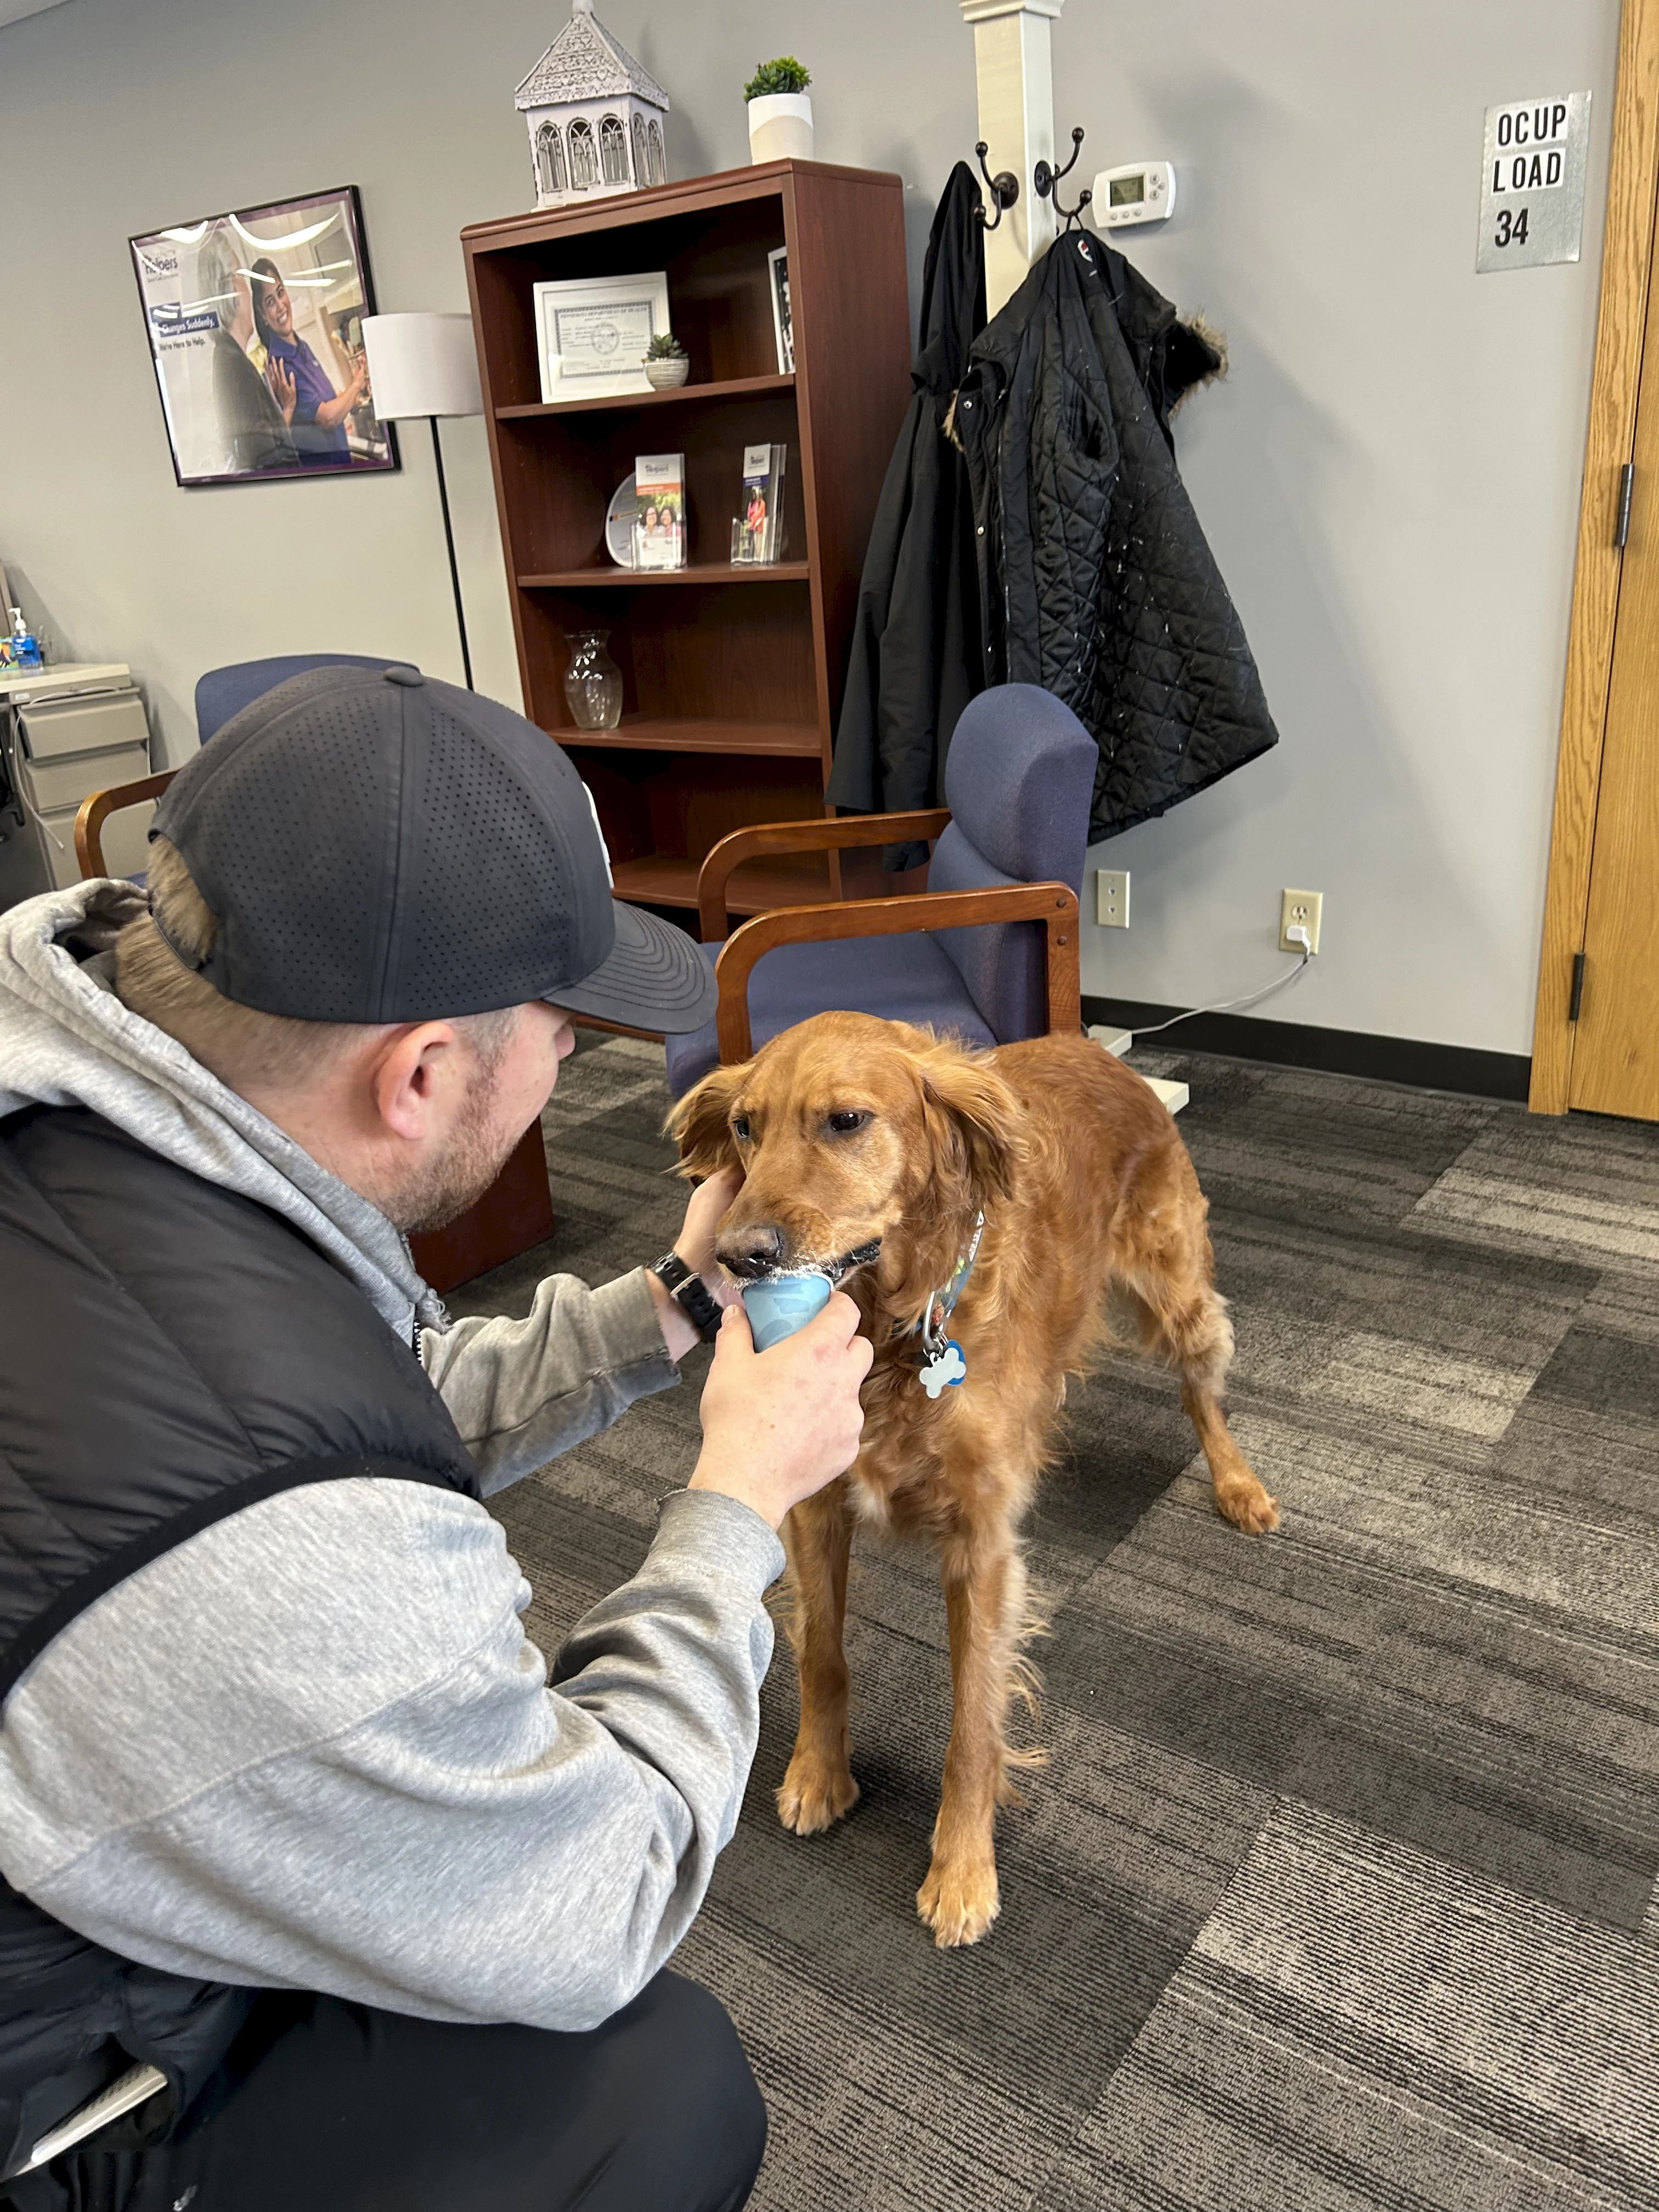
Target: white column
<point>1016,122</point>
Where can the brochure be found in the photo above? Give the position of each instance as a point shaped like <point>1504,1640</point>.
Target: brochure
<point>660,517</point>
<point>757,531</point>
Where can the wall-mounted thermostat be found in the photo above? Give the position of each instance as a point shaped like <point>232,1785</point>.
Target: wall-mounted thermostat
<point>1140,192</point>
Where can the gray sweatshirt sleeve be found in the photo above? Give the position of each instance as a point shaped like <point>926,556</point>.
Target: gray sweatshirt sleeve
<point>521,1392</point>
<point>312,1747</point>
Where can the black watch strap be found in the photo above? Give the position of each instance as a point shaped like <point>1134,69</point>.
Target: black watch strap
<point>689,1293</point>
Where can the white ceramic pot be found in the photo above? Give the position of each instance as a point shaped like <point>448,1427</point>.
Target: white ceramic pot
<point>780,127</point>
<point>664,375</point>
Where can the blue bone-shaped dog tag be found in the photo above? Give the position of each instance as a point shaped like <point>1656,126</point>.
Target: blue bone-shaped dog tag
<point>944,1367</point>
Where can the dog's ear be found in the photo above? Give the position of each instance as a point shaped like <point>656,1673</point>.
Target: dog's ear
<point>698,1124</point>
<point>973,1121</point>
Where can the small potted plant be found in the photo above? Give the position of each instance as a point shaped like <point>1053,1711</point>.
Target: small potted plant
<point>780,112</point>
<point>666,362</point>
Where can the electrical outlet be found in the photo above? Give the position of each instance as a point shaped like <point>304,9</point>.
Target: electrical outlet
<point>1299,910</point>
<point>1112,897</point>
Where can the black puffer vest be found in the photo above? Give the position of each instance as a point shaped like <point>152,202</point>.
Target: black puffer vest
<point>170,1352</point>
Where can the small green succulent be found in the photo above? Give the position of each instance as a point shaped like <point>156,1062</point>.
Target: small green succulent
<point>665,347</point>
<point>784,75</point>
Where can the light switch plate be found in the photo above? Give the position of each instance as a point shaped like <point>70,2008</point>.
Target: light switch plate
<point>1112,897</point>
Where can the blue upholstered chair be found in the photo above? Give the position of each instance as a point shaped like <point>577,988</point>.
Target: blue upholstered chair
<point>223,692</point>
<point>988,952</point>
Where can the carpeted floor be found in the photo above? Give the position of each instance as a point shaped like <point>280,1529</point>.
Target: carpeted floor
<point>1339,1891</point>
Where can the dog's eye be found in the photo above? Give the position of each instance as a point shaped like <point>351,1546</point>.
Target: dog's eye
<point>848,1121</point>
<point>740,1128</point>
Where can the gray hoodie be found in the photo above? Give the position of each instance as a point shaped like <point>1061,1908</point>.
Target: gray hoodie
<point>312,1747</point>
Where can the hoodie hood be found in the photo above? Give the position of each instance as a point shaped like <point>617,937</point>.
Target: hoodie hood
<point>66,1040</point>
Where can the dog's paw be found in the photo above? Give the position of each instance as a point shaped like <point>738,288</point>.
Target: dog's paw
<point>1247,1506</point>
<point>813,1797</point>
<point>959,1903</point>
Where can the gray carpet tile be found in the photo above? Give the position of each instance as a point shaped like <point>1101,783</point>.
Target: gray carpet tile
<point>1362,2025</point>
<point>1432,1662</point>
<point>1582,1187</point>
<point>1341,1888</point>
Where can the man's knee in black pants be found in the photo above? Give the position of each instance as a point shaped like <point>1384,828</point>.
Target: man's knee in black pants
<point>688,2106</point>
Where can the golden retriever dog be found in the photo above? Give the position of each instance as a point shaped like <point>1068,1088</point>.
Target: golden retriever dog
<point>875,1152</point>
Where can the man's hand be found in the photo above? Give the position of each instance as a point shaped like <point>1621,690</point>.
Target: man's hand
<point>711,1202</point>
<point>779,1424</point>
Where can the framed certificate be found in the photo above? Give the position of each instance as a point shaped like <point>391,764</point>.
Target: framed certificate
<point>591,335</point>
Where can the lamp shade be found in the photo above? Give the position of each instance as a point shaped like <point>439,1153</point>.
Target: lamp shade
<point>421,365</point>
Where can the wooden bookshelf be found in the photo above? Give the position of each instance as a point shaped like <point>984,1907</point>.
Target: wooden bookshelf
<point>731,677</point>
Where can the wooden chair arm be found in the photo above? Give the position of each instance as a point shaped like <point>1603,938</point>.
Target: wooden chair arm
<point>1052,904</point>
<point>97,807</point>
<point>832,834</point>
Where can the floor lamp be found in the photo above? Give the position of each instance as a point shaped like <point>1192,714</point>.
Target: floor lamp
<point>426,365</point>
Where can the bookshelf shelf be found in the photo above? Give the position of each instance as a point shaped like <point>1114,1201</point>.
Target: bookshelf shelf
<point>729,694</point>
<point>756,888</point>
<point>682,395</point>
<point>629,580</point>
<point>693,734</point>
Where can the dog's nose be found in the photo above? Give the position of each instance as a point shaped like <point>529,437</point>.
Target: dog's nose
<point>754,1249</point>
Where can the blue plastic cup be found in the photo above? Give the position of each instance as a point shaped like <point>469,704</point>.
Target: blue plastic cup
<point>779,1304</point>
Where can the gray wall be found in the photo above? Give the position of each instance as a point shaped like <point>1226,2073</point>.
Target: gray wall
<point>1389,477</point>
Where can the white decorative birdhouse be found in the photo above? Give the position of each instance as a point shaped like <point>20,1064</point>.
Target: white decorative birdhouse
<point>595,116</point>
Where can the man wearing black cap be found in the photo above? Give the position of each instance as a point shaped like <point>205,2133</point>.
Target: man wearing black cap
<point>288,1812</point>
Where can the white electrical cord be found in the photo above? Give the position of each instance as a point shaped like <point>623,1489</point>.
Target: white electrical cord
<point>1299,936</point>
<point>37,817</point>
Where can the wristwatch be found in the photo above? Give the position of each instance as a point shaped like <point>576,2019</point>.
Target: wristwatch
<point>689,1293</point>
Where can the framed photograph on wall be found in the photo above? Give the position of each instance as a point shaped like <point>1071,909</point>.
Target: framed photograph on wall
<point>783,328</point>
<point>592,334</point>
<point>255,325</point>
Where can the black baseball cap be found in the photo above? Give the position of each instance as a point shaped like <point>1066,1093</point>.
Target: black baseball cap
<point>379,847</point>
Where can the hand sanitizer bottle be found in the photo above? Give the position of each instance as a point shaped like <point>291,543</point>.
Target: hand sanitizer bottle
<point>24,646</point>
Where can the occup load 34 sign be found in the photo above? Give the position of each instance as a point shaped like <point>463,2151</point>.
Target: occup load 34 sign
<point>1531,186</point>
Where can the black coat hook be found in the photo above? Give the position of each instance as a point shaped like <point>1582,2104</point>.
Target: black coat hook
<point>1045,178</point>
<point>1004,186</point>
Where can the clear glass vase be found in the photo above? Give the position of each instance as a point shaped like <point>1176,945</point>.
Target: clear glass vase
<point>592,683</point>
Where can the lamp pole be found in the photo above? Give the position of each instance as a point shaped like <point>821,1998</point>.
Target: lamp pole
<point>449,540</point>
<point>426,365</point>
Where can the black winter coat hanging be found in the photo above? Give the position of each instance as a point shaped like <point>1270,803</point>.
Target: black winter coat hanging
<point>1096,580</point>
<point>917,658</point>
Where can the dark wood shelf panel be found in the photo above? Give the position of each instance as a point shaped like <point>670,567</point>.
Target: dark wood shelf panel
<point>666,879</point>
<point>727,387</point>
<point>704,572</point>
<point>694,733</point>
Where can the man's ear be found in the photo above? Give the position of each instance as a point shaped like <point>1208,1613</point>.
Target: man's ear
<point>698,1124</point>
<point>408,1074</point>
<point>973,1120</point>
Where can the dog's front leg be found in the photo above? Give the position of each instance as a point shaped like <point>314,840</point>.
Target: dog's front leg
<point>984,1597</point>
<point>819,1787</point>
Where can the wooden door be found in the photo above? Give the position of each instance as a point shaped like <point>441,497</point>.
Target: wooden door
<point>1615,1050</point>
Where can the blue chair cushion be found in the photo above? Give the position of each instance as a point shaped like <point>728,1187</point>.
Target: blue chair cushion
<point>1019,780</point>
<point>903,979</point>
<point>223,692</point>
<point>1001,963</point>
